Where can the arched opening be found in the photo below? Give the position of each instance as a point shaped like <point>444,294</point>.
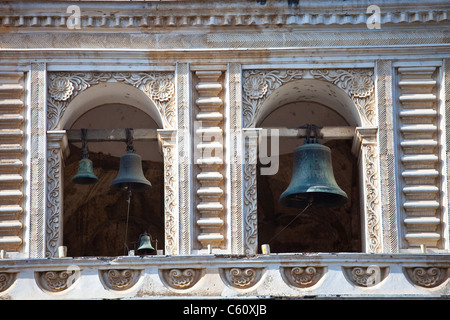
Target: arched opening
<point>95,217</point>
<point>316,230</point>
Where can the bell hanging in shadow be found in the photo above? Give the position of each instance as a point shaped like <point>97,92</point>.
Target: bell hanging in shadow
<point>145,245</point>
<point>85,174</point>
<point>130,174</point>
<point>313,180</point>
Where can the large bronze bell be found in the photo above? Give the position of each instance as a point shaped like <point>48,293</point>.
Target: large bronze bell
<point>85,174</point>
<point>130,174</point>
<point>313,181</point>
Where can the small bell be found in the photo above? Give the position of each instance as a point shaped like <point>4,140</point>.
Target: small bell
<point>313,181</point>
<point>85,174</point>
<point>145,245</point>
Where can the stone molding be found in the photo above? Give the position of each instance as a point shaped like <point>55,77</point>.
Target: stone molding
<point>355,272</point>
<point>198,14</point>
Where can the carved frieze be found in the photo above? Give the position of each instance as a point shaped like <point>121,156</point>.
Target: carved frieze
<point>120,279</point>
<point>181,278</point>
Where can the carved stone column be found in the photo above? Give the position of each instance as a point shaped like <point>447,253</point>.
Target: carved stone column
<point>250,137</point>
<point>167,138</point>
<point>366,142</point>
<point>56,141</point>
<point>37,160</point>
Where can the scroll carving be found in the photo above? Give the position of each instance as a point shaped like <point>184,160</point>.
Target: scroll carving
<point>181,278</point>
<point>363,276</point>
<point>6,280</point>
<point>120,279</point>
<point>358,84</point>
<point>57,281</point>
<point>259,84</point>
<point>241,278</point>
<point>427,277</point>
<point>303,277</point>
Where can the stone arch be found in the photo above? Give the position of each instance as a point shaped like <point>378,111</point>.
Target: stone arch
<point>105,93</point>
<point>72,94</point>
<point>311,90</point>
<point>349,92</point>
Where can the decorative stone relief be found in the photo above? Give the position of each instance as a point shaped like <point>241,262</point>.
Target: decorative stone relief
<point>427,277</point>
<point>118,279</point>
<point>366,276</point>
<point>6,280</point>
<point>302,277</point>
<point>241,278</point>
<point>257,85</point>
<point>167,140</point>
<point>359,85</point>
<point>181,278</point>
<point>57,281</point>
<point>64,86</point>
<point>368,145</point>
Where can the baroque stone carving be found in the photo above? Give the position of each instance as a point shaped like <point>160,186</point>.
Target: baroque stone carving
<point>358,83</point>
<point>363,276</point>
<point>58,281</point>
<point>241,278</point>
<point>258,84</point>
<point>64,86</point>
<point>427,277</point>
<point>119,280</point>
<point>6,280</point>
<point>303,277</point>
<point>181,278</point>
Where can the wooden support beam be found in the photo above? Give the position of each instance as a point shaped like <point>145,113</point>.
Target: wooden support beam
<point>98,135</point>
<point>328,133</point>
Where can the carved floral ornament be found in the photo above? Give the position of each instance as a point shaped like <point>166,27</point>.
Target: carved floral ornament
<point>427,277</point>
<point>357,83</point>
<point>241,278</point>
<point>181,278</point>
<point>303,277</point>
<point>64,86</point>
<point>120,279</point>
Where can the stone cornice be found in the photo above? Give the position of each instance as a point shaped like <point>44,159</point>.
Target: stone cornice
<point>153,15</point>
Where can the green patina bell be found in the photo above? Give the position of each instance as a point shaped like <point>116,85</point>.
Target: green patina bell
<point>313,181</point>
<point>145,245</point>
<point>85,174</point>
